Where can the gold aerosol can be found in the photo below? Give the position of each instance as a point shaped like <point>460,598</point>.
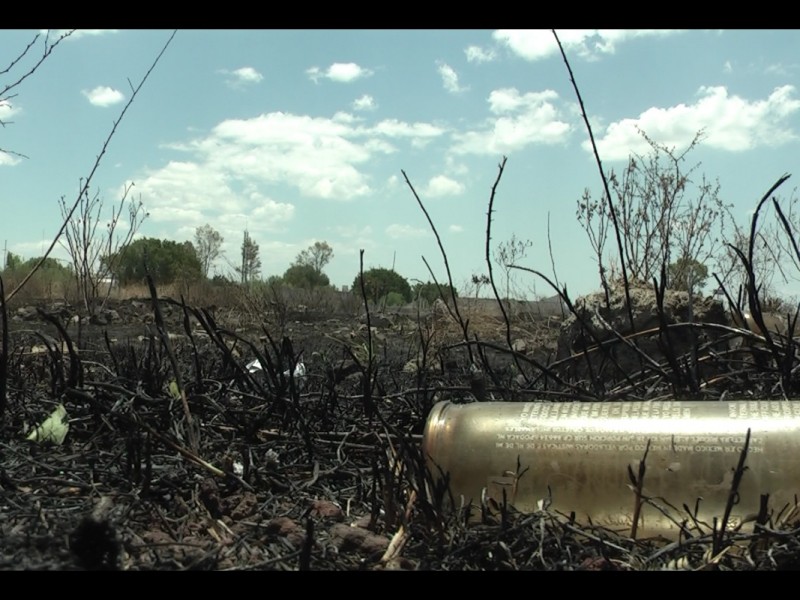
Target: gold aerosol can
<point>575,457</point>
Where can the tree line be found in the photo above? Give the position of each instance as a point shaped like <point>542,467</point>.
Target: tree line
<point>168,261</point>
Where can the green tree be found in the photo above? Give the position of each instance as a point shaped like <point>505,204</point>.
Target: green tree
<point>208,243</point>
<point>316,256</point>
<point>13,262</point>
<point>51,265</point>
<point>379,281</point>
<point>429,291</point>
<point>251,261</point>
<point>686,273</point>
<point>305,276</point>
<point>166,260</point>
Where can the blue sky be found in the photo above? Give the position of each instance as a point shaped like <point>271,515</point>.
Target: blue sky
<point>304,135</point>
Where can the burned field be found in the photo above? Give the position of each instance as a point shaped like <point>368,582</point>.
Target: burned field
<point>182,455</point>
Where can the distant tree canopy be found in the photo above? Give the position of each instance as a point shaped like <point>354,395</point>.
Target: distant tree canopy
<point>379,282</point>
<point>429,292</point>
<point>208,244</point>
<point>316,256</point>
<point>15,264</point>
<point>251,259</point>
<point>13,261</point>
<point>686,271</point>
<point>167,262</point>
<point>305,276</point>
<point>306,270</point>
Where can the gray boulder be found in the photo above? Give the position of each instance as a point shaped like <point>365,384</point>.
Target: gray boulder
<point>601,320</point>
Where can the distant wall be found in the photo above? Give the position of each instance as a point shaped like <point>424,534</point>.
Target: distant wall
<point>546,307</point>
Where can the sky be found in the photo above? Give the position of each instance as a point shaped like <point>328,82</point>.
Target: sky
<point>300,136</point>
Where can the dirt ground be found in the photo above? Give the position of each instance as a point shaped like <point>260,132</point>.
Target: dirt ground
<point>270,474</point>
<point>181,455</point>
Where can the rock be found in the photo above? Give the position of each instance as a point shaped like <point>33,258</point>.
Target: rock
<point>27,313</point>
<point>246,507</point>
<point>349,539</point>
<point>593,311</point>
<point>326,509</point>
<point>286,528</point>
<point>519,346</point>
<point>111,314</point>
<point>98,319</point>
<point>377,320</point>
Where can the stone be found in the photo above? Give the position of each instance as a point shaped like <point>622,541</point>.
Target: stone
<point>603,320</point>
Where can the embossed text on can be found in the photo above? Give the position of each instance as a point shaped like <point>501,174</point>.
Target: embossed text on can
<point>576,455</point>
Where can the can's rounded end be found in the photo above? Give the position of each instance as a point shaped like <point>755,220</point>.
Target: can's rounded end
<point>432,425</point>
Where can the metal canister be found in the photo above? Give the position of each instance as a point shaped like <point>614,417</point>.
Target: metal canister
<point>575,456</point>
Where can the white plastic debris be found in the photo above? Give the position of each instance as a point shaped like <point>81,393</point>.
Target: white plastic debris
<point>255,366</point>
<point>53,429</point>
<point>299,371</point>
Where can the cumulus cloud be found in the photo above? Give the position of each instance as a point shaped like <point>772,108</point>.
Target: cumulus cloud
<point>729,123</point>
<point>400,129</point>
<point>398,231</point>
<point>536,44</point>
<point>314,155</point>
<point>365,102</point>
<point>185,195</point>
<point>449,78</point>
<point>521,120</point>
<point>104,96</point>
<point>339,72</point>
<point>442,185</point>
<point>234,175</point>
<point>477,54</point>
<point>243,76</point>
<point>455,228</point>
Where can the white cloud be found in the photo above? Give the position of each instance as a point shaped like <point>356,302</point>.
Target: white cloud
<point>8,159</point>
<point>365,102</point>
<point>780,69</point>
<point>479,55</point>
<point>77,34</point>
<point>104,96</point>
<point>7,110</point>
<point>729,122</point>
<point>455,167</point>
<point>185,195</point>
<point>314,73</point>
<point>339,72</point>
<point>535,44</point>
<point>243,76</point>
<point>509,100</point>
<point>311,154</point>
<point>455,228</point>
<point>393,128</point>
<point>523,119</point>
<point>443,186</point>
<point>449,78</point>
<point>397,231</point>
<point>254,158</point>
<point>727,67</point>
